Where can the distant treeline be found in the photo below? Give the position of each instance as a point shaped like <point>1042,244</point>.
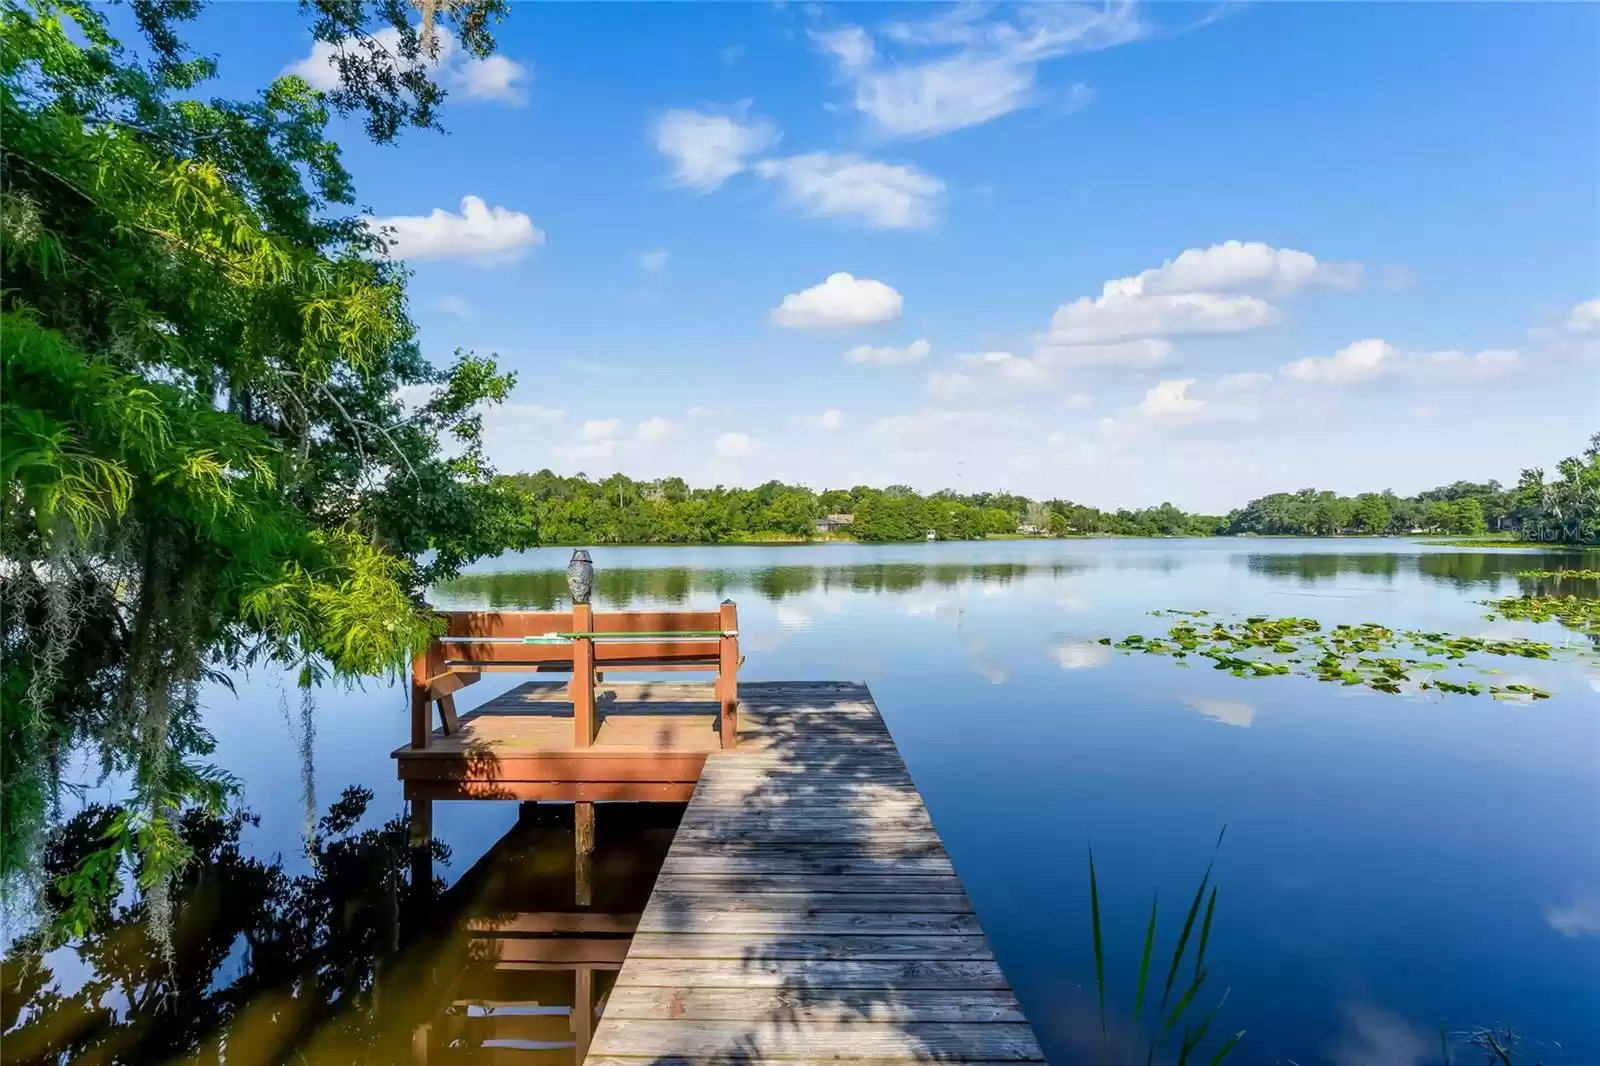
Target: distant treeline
<point>549,509</point>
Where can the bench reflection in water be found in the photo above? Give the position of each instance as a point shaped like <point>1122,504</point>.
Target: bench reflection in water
<point>540,964</point>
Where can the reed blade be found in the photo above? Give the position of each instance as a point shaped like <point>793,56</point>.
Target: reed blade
<point>1226,1049</point>
<point>1099,954</point>
<point>1183,939</point>
<point>1183,1003</point>
<point>1205,931</point>
<point>1144,963</point>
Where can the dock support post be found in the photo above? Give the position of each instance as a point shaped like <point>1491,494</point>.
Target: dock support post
<point>583,853</point>
<point>583,1010</point>
<point>728,675</point>
<point>583,716</point>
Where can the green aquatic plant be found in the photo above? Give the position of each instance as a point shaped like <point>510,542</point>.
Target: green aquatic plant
<point>1362,654</point>
<point>1164,1021</point>
<point>1581,613</point>
<point>1488,542</point>
<point>1559,575</point>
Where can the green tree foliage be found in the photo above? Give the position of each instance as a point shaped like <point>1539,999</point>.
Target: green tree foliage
<point>1462,508</point>
<point>1566,509</point>
<point>206,465</point>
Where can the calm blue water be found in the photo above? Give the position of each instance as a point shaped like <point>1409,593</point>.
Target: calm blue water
<point>1390,862</point>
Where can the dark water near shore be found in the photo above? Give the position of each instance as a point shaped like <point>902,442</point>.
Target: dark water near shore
<point>1391,862</point>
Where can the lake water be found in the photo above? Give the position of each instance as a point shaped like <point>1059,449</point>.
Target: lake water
<point>1391,863</point>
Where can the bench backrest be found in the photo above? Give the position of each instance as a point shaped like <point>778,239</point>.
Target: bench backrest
<point>531,639</point>
<point>581,642</point>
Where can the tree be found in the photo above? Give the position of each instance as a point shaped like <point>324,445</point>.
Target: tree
<point>1371,514</point>
<point>1466,517</point>
<point>206,465</point>
<point>1565,510</point>
<point>792,511</point>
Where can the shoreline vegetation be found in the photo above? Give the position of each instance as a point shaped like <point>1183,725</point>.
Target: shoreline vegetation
<point>545,508</point>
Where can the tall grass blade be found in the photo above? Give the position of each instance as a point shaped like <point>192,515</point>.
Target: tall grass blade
<point>1099,953</point>
<point>1183,1004</point>
<point>1205,931</point>
<point>1226,1049</point>
<point>1191,1040</point>
<point>1183,940</point>
<point>1144,963</point>
<point>1188,924</point>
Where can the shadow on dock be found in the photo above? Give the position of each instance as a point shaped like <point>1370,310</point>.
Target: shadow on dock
<point>808,911</point>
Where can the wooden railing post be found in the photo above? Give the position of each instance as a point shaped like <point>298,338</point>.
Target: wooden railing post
<point>728,674</point>
<point>583,716</point>
<point>421,720</point>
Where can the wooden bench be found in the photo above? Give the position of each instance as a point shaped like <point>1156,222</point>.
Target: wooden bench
<point>583,642</point>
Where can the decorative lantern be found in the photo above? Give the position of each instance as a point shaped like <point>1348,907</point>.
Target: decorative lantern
<point>580,576</point>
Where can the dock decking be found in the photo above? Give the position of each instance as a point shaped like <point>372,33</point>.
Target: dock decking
<point>807,910</point>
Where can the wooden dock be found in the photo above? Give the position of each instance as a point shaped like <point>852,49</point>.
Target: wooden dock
<point>807,911</point>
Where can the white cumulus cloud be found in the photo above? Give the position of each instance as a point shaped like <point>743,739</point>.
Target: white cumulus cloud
<point>1373,358</point>
<point>829,421</point>
<point>1585,318</point>
<point>830,185</point>
<point>842,301</point>
<point>1235,265</point>
<point>991,376</point>
<point>865,353</point>
<point>1459,366</point>
<point>599,430</point>
<point>1361,361</point>
<point>656,430</point>
<point>708,149</point>
<point>478,232</point>
<point>1115,315</point>
<point>493,78</point>
<point>734,445</point>
<point>1201,290</point>
<point>1170,399</point>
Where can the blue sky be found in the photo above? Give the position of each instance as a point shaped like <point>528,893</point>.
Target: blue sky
<point>1152,252</point>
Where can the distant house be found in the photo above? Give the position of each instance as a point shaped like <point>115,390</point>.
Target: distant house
<point>834,522</point>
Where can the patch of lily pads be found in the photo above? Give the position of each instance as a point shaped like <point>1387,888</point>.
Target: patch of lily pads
<point>1366,654</point>
<point>1559,575</point>
<point>1581,613</point>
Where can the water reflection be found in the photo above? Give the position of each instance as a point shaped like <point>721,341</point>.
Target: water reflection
<point>1461,569</point>
<point>621,588</point>
<point>350,962</point>
<point>541,964</point>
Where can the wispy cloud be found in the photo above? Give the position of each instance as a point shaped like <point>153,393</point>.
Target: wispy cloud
<point>963,68</point>
<point>883,195</point>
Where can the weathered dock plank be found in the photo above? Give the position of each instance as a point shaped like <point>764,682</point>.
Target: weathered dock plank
<point>807,910</point>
